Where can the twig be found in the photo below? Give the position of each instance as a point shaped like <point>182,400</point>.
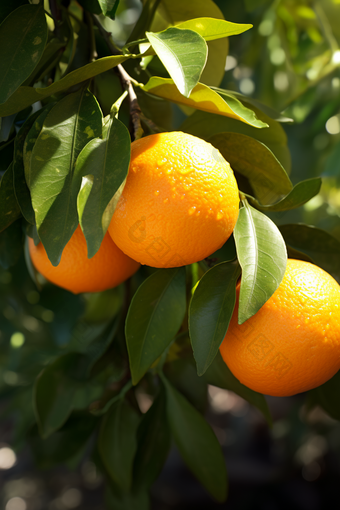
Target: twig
<point>135,110</point>
<point>106,35</point>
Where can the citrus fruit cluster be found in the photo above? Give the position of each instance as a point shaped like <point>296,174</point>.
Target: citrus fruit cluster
<point>180,204</point>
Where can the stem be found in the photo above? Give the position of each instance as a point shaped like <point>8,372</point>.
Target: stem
<point>93,49</point>
<point>135,110</point>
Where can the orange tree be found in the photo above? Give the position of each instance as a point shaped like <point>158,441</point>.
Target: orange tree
<point>78,83</point>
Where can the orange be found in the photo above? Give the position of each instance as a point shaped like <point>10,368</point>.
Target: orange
<point>180,202</point>
<point>292,344</point>
<point>108,268</point>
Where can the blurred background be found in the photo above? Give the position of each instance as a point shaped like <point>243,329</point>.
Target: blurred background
<point>290,61</point>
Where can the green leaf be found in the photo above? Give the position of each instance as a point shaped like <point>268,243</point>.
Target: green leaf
<point>21,190</point>
<point>175,12</point>
<point>6,155</point>
<point>72,122</point>
<point>183,54</point>
<point>11,242</point>
<point>54,394</point>
<point>109,7</point>
<point>117,442</point>
<point>144,20</point>
<point>218,374</point>
<point>26,96</point>
<point>320,246</point>
<point>30,140</point>
<point>154,441</point>
<point>105,164</point>
<point>155,315</point>
<point>262,254</point>
<point>211,29</point>
<point>205,125</point>
<point>255,161</point>
<point>23,37</point>
<point>197,443</point>
<point>9,207</point>
<point>51,56</point>
<point>327,396</point>
<point>300,194</point>
<point>211,309</point>
<point>202,98</point>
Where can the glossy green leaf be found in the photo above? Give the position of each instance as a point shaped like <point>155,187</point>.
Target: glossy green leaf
<point>317,244</point>
<point>255,161</point>
<point>51,56</point>
<point>11,243</point>
<point>30,140</point>
<point>6,155</point>
<point>211,28</point>
<point>267,110</point>
<point>26,96</point>
<point>23,37</point>
<point>118,444</point>
<point>205,125</point>
<point>104,163</point>
<point>154,441</point>
<point>197,443</point>
<point>54,394</point>
<point>202,98</point>
<point>211,309</point>
<point>327,396</point>
<point>300,194</point>
<point>109,7</point>
<point>68,127</point>
<point>144,20</point>
<point>183,54</point>
<point>218,374</point>
<point>262,254</point>
<point>155,315</point>
<point>21,190</point>
<point>175,12</point>
<point>9,207</point>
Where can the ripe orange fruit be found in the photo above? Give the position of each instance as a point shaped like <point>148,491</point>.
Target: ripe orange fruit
<point>108,268</point>
<point>292,344</point>
<point>180,202</point>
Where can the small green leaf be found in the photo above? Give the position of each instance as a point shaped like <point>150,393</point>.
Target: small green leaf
<point>54,394</point>
<point>183,54</point>
<point>23,37</point>
<point>104,163</point>
<point>255,161</point>
<point>210,311</point>
<point>327,396</point>
<point>91,6</point>
<point>25,96</point>
<point>211,28</point>
<point>11,243</point>
<point>203,98</point>
<point>9,207</point>
<point>117,442</point>
<point>109,7</point>
<point>197,443</point>
<point>70,124</point>
<point>262,254</point>
<point>320,246</point>
<point>21,190</point>
<point>300,194</point>
<point>154,441</point>
<point>218,374</point>
<point>155,315</point>
<point>7,7</point>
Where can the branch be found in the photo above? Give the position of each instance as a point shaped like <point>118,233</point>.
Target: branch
<point>93,49</point>
<point>135,110</point>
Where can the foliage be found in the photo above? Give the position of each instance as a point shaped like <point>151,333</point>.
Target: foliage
<point>71,100</point>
